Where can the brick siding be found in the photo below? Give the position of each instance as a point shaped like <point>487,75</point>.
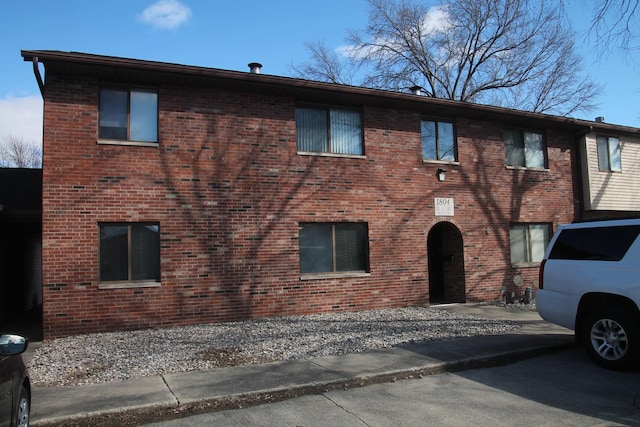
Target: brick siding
<point>229,191</point>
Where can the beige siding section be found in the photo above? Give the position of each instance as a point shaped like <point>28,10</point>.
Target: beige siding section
<point>615,191</point>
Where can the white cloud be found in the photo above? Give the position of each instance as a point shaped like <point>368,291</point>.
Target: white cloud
<point>165,14</point>
<point>436,20</point>
<point>22,118</point>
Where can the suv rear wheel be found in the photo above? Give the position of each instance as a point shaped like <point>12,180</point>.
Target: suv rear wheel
<point>611,337</point>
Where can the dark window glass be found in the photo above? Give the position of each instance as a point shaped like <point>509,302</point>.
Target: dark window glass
<point>129,252</point>
<point>114,241</point>
<point>312,130</point>
<point>438,141</point>
<point>327,248</point>
<point>316,248</point>
<point>598,243</point>
<point>351,247</point>
<point>128,115</point>
<point>331,130</point>
<point>113,113</point>
<point>145,252</point>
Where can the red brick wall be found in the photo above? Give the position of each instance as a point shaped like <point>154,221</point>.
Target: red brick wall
<point>228,190</point>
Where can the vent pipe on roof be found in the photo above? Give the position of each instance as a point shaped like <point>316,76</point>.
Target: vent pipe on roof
<point>416,90</point>
<point>254,68</point>
<point>600,119</point>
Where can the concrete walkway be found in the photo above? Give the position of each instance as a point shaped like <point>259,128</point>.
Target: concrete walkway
<point>173,395</point>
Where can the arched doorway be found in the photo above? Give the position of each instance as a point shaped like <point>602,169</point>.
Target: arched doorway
<point>445,256</point>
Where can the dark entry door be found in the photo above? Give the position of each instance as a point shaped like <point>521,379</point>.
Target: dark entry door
<point>445,264</point>
<point>436,261</point>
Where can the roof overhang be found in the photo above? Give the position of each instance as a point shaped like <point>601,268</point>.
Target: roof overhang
<point>138,71</point>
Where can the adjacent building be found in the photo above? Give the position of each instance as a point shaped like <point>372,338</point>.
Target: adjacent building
<point>610,173</point>
<point>177,195</point>
<point>20,246</point>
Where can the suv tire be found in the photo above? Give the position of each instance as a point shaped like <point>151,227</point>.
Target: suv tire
<point>611,337</point>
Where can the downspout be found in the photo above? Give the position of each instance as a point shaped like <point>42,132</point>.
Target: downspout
<point>36,72</point>
<point>581,188</point>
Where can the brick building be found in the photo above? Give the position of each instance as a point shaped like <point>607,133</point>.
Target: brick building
<point>178,195</point>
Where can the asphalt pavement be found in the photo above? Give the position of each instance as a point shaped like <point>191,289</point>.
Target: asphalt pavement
<point>179,394</point>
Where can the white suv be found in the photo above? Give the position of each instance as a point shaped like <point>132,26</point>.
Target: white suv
<point>590,282</point>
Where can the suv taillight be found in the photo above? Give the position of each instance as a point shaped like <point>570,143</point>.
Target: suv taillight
<point>541,273</point>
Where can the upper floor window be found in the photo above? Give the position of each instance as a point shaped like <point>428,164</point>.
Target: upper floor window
<point>609,158</point>
<point>329,130</point>
<point>528,242</point>
<point>524,148</point>
<point>128,115</point>
<point>438,140</point>
<point>129,252</point>
<point>334,247</point>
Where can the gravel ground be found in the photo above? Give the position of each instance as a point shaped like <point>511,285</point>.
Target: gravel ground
<point>116,356</point>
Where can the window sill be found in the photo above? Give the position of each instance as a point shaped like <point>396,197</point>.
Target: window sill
<point>128,285</point>
<point>334,275</point>
<point>123,142</point>
<point>326,154</point>
<point>441,162</point>
<point>527,169</point>
<point>525,265</point>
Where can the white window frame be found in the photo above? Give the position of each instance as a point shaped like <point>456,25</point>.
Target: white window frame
<point>609,153</point>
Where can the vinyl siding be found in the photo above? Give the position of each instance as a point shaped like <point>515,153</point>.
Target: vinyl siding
<point>612,191</point>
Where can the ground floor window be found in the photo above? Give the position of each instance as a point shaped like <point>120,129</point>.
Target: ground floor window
<point>528,242</point>
<point>129,252</point>
<point>334,247</point>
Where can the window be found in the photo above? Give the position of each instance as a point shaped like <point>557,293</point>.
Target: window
<point>528,242</point>
<point>524,148</point>
<point>329,130</point>
<point>595,243</point>
<point>334,248</point>
<point>609,153</point>
<point>128,115</point>
<point>129,252</point>
<point>438,141</point>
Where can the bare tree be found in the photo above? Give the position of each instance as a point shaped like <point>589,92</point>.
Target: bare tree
<point>615,23</point>
<point>512,53</point>
<point>17,152</point>
<point>334,68</point>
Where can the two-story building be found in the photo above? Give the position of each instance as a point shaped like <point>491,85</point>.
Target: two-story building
<point>177,195</point>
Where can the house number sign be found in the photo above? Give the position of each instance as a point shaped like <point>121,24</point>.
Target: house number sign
<point>444,206</point>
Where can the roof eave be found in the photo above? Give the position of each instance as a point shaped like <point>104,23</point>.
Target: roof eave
<point>311,89</point>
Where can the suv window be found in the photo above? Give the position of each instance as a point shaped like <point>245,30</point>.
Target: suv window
<point>598,243</point>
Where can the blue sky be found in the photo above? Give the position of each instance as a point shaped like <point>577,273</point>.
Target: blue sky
<point>224,34</point>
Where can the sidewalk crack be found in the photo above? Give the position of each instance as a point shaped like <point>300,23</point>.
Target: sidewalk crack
<point>170,391</point>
